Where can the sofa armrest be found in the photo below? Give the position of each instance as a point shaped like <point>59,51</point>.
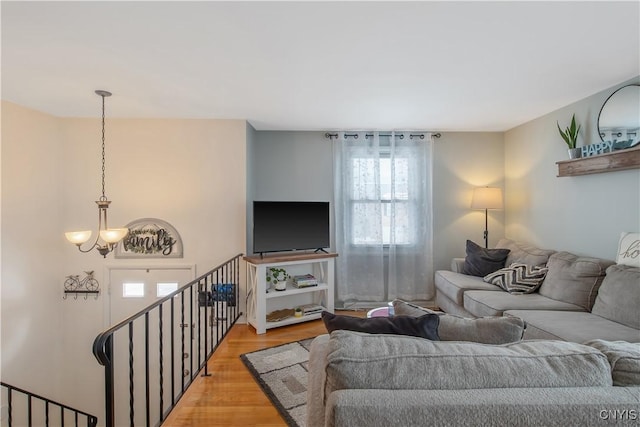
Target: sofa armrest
<point>457,264</point>
<point>316,380</point>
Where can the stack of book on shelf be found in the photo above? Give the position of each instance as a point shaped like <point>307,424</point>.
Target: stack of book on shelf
<point>308,309</point>
<point>304,281</point>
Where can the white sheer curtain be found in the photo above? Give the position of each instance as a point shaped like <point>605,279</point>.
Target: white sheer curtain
<point>383,217</point>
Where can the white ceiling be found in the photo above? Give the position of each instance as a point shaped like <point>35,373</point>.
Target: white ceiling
<point>463,66</point>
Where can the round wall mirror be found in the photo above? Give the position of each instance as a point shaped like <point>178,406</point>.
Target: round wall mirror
<point>619,118</point>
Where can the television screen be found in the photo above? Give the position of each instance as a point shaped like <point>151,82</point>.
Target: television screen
<point>287,226</point>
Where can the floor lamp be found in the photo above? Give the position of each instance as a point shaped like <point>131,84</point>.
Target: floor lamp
<point>486,198</point>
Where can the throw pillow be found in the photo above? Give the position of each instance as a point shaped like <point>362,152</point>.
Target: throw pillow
<point>480,261</point>
<point>485,330</point>
<point>425,326</point>
<point>629,249</point>
<point>518,278</point>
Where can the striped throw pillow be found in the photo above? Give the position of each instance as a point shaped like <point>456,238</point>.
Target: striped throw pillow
<point>518,278</point>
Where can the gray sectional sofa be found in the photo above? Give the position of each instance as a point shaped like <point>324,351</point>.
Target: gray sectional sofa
<point>358,379</point>
<point>582,370</point>
<point>580,299</point>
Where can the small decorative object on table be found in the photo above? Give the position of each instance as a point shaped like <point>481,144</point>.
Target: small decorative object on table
<point>380,312</point>
<point>570,136</point>
<point>304,281</point>
<point>297,312</point>
<point>278,278</point>
<point>277,315</point>
<point>308,309</point>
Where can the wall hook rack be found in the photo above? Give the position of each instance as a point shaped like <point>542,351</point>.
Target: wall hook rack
<point>87,286</point>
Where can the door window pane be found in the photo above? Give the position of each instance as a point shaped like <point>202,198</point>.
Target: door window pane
<point>133,290</point>
<point>165,288</point>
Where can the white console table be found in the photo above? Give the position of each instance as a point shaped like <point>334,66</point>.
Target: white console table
<point>263,300</point>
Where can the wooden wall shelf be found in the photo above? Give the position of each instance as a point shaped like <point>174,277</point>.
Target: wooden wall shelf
<point>608,162</point>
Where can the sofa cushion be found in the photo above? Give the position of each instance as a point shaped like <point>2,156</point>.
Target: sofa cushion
<point>572,326</point>
<point>487,330</point>
<point>573,279</point>
<point>481,261</point>
<point>425,326</point>
<point>524,253</point>
<point>483,303</point>
<point>619,296</point>
<point>364,361</point>
<point>518,278</point>
<point>624,359</point>
<point>454,285</point>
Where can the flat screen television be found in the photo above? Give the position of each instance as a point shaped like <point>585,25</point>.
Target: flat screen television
<point>289,226</point>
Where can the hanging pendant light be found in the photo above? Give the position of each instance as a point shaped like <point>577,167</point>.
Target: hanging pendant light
<point>107,238</point>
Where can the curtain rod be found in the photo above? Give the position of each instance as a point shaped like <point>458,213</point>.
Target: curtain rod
<point>369,135</point>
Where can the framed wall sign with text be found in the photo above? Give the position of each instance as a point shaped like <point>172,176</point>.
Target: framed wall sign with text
<point>150,238</point>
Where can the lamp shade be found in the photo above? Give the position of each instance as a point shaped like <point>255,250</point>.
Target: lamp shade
<point>78,237</point>
<point>486,198</point>
<point>113,235</point>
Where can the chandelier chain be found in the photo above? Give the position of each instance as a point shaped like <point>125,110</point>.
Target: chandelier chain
<point>107,238</point>
<point>104,197</point>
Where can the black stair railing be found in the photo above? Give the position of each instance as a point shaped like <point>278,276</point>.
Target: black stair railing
<point>29,409</point>
<point>151,358</point>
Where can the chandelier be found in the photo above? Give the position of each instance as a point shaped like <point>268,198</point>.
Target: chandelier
<point>107,238</point>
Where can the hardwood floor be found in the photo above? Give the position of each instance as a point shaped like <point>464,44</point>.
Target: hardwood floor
<point>230,396</point>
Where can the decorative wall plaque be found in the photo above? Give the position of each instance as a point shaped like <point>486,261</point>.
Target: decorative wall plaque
<point>150,238</point>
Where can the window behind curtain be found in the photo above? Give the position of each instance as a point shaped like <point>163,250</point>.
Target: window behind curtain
<point>394,197</point>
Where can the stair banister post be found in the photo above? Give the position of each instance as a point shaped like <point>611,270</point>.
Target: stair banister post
<point>109,392</point>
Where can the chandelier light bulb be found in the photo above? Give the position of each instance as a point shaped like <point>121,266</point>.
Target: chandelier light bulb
<point>78,237</point>
<point>113,235</point>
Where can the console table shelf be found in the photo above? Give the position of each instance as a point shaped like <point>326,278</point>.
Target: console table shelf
<point>262,301</point>
<point>607,162</point>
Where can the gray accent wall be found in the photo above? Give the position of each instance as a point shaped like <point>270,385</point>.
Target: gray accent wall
<point>290,166</point>
<point>251,141</point>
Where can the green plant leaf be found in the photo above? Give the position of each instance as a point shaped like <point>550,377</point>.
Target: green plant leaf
<point>562,134</point>
<point>572,128</point>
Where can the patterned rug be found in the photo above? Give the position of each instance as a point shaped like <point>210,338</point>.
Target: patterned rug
<point>282,373</point>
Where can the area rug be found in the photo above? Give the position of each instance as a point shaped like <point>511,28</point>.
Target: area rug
<point>282,373</point>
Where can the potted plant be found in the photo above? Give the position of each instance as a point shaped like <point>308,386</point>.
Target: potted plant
<point>570,136</point>
<point>277,277</point>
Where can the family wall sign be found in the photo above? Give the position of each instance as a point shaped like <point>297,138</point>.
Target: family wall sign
<point>150,238</point>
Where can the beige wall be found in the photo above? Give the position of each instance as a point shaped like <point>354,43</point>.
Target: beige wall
<point>463,161</point>
<point>32,255</point>
<point>191,173</point>
<point>583,214</point>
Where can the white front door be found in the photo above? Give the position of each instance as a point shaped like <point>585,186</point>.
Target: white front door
<point>133,289</point>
